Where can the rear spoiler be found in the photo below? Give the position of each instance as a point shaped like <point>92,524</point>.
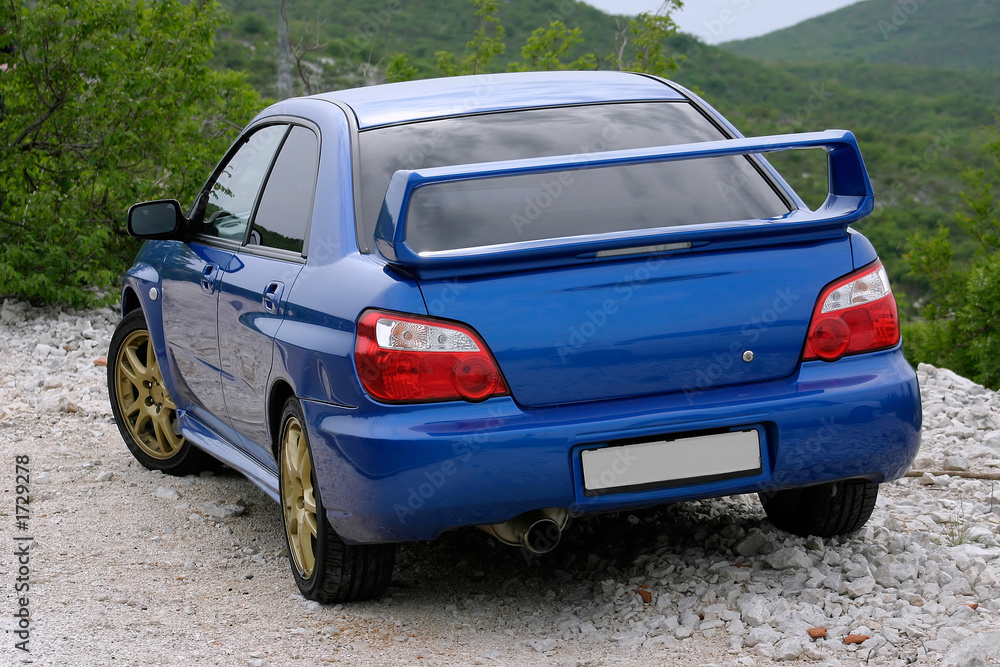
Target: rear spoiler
<point>850,198</point>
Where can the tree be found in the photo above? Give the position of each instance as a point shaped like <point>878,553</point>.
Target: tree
<point>400,69</point>
<point>641,46</point>
<point>485,45</point>
<point>107,102</point>
<point>284,51</point>
<point>958,325</point>
<point>546,48</point>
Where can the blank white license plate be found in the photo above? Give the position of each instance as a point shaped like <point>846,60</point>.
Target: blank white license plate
<point>649,463</point>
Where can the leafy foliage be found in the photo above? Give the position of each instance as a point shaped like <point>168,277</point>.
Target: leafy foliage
<point>105,102</point>
<point>957,327</point>
<point>485,45</point>
<point>916,128</point>
<point>546,48</point>
<point>914,124</point>
<point>641,46</point>
<point>145,125</point>
<point>400,69</point>
<point>361,38</point>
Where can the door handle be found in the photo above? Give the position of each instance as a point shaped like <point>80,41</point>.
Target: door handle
<point>208,277</point>
<point>272,297</point>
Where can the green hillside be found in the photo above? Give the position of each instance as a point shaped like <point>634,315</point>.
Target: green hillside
<point>943,34</point>
<point>918,127</point>
<point>355,37</point>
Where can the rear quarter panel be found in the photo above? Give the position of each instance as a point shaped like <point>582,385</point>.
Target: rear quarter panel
<point>315,344</point>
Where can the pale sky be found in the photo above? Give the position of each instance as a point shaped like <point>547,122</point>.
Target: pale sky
<point>715,21</point>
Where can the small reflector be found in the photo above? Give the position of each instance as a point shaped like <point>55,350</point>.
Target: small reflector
<point>641,250</point>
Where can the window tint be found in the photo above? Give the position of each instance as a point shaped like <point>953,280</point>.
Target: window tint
<point>232,195</point>
<point>483,212</point>
<point>284,209</point>
<point>474,213</point>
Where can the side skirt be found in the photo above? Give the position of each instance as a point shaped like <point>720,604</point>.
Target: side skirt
<point>263,475</point>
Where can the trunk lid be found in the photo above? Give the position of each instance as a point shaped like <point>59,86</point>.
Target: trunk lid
<point>645,325</point>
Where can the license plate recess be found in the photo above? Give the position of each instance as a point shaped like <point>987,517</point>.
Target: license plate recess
<point>685,460</point>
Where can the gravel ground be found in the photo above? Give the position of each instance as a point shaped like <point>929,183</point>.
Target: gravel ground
<point>131,567</point>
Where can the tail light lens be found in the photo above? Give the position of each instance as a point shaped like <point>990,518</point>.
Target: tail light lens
<point>404,359</point>
<point>854,314</point>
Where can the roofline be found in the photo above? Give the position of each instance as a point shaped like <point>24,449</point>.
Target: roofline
<point>426,99</point>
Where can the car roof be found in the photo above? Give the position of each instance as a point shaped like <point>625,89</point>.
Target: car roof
<point>408,101</point>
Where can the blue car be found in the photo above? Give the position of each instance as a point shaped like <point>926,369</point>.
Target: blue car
<point>505,301</point>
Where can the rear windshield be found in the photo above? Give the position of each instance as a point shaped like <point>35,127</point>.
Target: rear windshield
<point>482,212</point>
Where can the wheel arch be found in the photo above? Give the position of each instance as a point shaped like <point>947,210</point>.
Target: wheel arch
<point>130,301</point>
<point>280,392</point>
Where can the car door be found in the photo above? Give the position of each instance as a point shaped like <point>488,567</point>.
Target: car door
<point>192,275</point>
<point>255,286</point>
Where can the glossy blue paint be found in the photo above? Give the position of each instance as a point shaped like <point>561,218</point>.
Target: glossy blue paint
<point>862,249</point>
<point>646,324</point>
<point>247,328</point>
<point>663,361</point>
<point>420,100</point>
<point>262,473</point>
<point>850,199</point>
<point>397,473</point>
<point>190,276</point>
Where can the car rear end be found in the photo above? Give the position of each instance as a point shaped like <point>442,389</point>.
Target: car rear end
<point>624,305</point>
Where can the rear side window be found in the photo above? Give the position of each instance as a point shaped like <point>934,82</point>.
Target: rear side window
<point>484,212</point>
<point>286,204</point>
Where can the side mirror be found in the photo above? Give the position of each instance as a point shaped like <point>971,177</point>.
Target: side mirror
<point>160,219</point>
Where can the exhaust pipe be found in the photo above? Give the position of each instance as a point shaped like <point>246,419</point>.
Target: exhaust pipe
<point>537,531</point>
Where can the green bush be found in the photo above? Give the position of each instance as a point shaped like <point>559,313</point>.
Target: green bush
<point>102,103</point>
<point>957,324</point>
<point>979,318</point>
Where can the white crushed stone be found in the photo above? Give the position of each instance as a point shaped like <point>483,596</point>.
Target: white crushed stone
<point>138,568</point>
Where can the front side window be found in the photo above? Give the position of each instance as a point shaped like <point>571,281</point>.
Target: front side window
<point>483,212</point>
<point>230,198</point>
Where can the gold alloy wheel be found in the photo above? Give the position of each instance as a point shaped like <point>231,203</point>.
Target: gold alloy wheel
<point>143,401</point>
<point>298,499</point>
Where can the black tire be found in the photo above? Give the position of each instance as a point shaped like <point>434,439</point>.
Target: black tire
<point>143,409</point>
<point>325,568</point>
<point>825,510</point>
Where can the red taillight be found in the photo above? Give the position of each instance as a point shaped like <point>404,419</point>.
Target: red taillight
<point>853,315</point>
<point>406,359</point>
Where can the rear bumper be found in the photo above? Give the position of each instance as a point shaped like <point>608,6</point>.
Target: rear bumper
<point>402,473</point>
